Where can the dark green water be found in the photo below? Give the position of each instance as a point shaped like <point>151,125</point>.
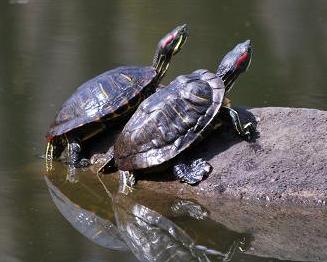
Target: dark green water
<point>48,48</point>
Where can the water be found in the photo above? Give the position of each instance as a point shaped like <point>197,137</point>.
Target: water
<point>48,48</point>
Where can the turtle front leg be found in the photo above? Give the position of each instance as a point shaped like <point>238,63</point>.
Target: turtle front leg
<point>192,173</point>
<point>246,131</point>
<point>74,155</point>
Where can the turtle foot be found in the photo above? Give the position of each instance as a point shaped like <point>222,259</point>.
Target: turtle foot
<point>126,182</point>
<point>192,173</point>
<point>249,131</point>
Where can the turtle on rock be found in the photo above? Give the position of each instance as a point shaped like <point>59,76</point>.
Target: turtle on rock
<point>180,115</point>
<point>109,97</point>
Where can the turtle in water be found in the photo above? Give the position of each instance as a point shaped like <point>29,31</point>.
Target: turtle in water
<point>109,97</point>
<point>179,115</point>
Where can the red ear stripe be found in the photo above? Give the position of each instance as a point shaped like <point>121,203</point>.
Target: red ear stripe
<point>167,40</point>
<point>242,59</point>
<point>49,138</point>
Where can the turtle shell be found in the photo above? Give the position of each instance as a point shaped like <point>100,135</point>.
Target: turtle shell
<point>109,95</point>
<point>169,121</point>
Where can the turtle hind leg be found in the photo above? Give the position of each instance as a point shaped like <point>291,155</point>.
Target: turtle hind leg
<point>192,173</point>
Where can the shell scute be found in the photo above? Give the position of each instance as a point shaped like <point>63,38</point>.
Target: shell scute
<point>107,95</point>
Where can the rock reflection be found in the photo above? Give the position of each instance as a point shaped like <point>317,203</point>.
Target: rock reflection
<point>118,221</point>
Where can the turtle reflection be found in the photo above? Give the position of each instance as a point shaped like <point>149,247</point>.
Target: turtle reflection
<point>133,226</point>
<point>152,237</point>
<point>100,231</point>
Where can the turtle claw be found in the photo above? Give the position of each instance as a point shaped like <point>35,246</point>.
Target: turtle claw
<point>192,173</point>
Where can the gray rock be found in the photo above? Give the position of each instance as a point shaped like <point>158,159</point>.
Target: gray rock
<point>286,163</point>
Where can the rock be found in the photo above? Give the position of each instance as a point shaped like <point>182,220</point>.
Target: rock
<point>286,163</point>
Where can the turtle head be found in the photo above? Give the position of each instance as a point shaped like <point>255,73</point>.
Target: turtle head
<point>168,46</point>
<point>234,63</point>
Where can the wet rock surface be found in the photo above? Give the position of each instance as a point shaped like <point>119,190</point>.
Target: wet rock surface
<point>286,162</point>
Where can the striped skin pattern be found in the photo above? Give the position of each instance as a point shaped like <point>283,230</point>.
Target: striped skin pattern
<point>112,94</point>
<point>169,121</point>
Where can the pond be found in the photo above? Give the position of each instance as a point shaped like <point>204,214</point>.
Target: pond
<point>48,48</point>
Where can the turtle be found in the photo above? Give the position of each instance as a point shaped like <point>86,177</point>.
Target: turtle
<point>178,116</point>
<point>110,97</point>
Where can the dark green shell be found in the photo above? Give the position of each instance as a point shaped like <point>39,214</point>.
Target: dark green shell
<point>109,95</point>
<point>169,121</point>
